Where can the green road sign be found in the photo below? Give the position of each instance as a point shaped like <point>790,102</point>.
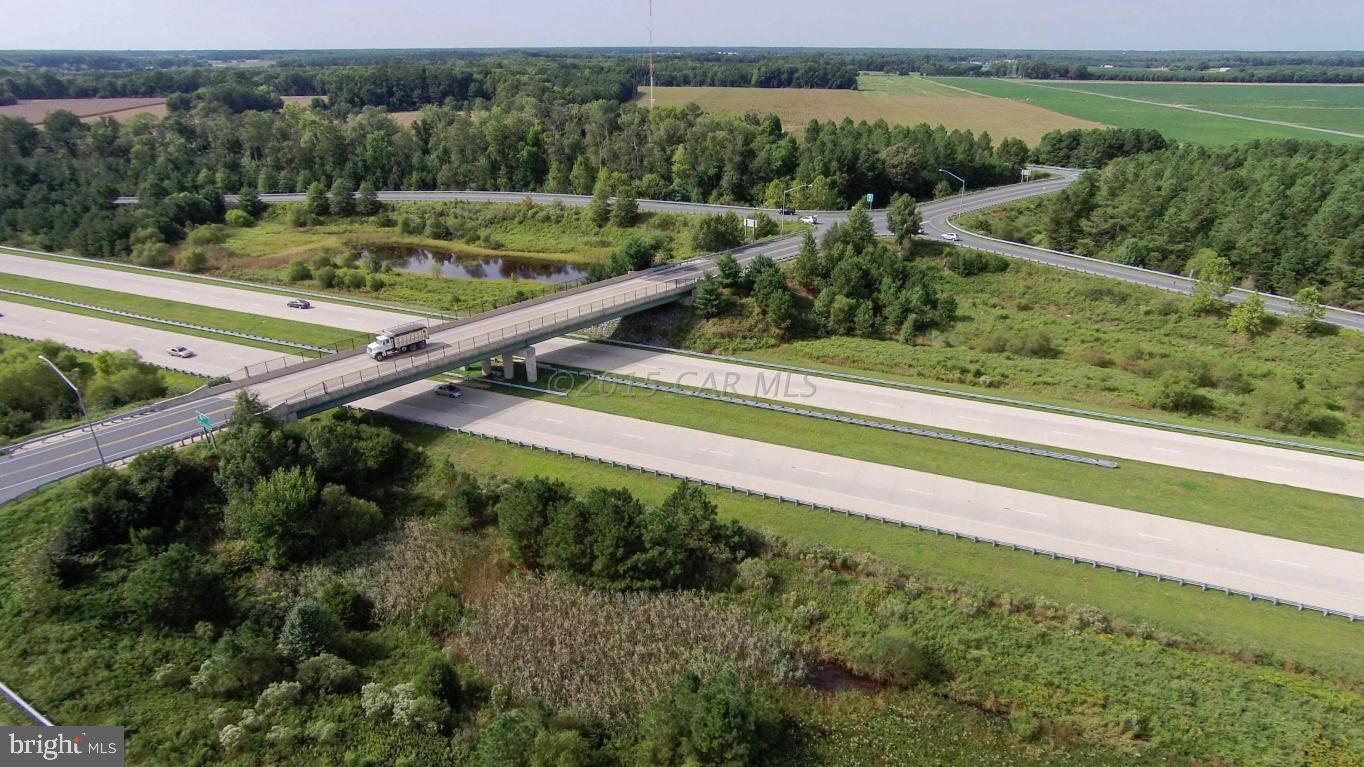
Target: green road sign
<point>870,197</point>
<point>203,420</point>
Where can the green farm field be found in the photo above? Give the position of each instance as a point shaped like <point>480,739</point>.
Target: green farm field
<point>1313,112</point>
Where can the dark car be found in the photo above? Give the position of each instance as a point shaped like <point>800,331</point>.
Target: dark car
<point>786,211</point>
<point>299,303</point>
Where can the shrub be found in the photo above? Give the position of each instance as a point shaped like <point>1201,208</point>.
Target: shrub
<point>374,283</point>
<point>1284,407</point>
<point>277,520</point>
<point>352,608</point>
<point>754,576</point>
<point>418,712</point>
<point>893,656</point>
<point>1177,391</point>
<point>207,235</point>
<point>355,280</point>
<point>715,233</point>
<point>232,738</point>
<point>327,673</point>
<point>323,731</point>
<point>171,675</point>
<point>175,588</point>
<point>718,721</point>
<point>281,736</point>
<point>222,716</point>
<point>376,701</point>
<point>243,659</point>
<point>191,260</point>
<point>310,629</point>
<point>326,276</point>
<point>239,218</point>
<point>278,697</point>
<point>972,262</point>
<point>298,271</point>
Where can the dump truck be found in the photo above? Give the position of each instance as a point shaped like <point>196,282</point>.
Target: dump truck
<point>403,338</point>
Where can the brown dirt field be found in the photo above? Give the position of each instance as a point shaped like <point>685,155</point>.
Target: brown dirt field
<point>34,110</point>
<point>908,106</point>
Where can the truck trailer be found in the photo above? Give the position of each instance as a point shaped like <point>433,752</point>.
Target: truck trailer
<point>396,340</point>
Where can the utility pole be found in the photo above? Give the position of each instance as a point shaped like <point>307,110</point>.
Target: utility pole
<point>651,54</point>
<point>961,205</point>
<point>79,401</point>
<point>792,189</point>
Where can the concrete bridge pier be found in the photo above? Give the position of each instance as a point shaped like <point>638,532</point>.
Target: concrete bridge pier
<point>487,368</point>
<point>532,374</point>
<point>508,366</point>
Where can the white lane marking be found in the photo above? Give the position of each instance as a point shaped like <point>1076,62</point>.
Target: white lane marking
<point>629,436</point>
<point>1277,468</point>
<point>235,357</point>
<point>812,471</point>
<point>580,355</point>
<point>475,404</point>
<point>1064,433</point>
<point>1292,564</point>
<point>882,404</point>
<point>917,492</point>
<point>1031,513</point>
<point>91,330</point>
<point>717,452</point>
<point>973,418</point>
<point>1154,537</point>
<point>551,420</point>
<point>1167,450</point>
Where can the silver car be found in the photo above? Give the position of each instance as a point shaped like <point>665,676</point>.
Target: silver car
<point>183,352</point>
<point>449,390</point>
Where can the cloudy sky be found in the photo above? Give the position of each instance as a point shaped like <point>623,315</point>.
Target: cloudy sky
<point>1088,24</point>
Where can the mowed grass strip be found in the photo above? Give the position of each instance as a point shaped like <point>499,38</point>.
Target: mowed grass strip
<point>213,317</point>
<point>1333,646</point>
<point>1285,512</point>
<point>1177,124</point>
<point>897,99</point>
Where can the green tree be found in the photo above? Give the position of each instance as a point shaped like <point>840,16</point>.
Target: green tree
<point>309,630</point>
<point>582,177</point>
<point>625,210</point>
<point>599,210</point>
<point>729,272</point>
<point>315,200</point>
<point>523,514</point>
<point>276,520</point>
<point>250,203</point>
<point>717,232</point>
<point>1177,391</point>
<point>895,657</point>
<point>904,219</point>
<point>707,300</point>
<point>239,218</point>
<point>1213,277</point>
<point>1307,311</point>
<point>809,270</point>
<point>720,721</point>
<point>297,271</point>
<point>367,200</point>
<point>341,199</point>
<point>1248,317</point>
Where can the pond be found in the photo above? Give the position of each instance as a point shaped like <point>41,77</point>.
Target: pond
<point>467,267</point>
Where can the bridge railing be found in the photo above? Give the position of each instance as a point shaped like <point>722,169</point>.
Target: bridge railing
<point>484,343</point>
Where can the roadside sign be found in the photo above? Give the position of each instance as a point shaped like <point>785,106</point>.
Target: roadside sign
<point>751,223</point>
<point>1027,172</point>
<point>870,197</point>
<point>203,420</point>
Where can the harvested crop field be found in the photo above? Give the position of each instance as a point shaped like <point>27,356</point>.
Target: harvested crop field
<point>90,110</point>
<point>900,100</point>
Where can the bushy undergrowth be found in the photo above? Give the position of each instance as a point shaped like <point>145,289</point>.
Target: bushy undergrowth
<point>607,655</point>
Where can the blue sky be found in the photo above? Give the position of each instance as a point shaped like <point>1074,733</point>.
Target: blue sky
<point>1133,24</point>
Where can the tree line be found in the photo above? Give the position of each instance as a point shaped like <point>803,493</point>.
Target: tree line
<point>57,181</point>
<point>1284,214</point>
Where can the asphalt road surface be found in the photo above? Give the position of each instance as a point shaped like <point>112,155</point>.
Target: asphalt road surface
<point>212,358</point>
<point>1275,567</point>
<point>1313,471</point>
<point>336,315</point>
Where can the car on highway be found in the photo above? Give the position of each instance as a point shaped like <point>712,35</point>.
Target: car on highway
<point>183,352</point>
<point>809,219</point>
<point>950,236</point>
<point>299,303</point>
<point>786,211</point>
<point>449,390</point>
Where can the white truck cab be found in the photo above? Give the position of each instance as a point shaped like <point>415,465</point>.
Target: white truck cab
<point>403,338</point>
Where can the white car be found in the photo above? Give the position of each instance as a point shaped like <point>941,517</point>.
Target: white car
<point>183,352</point>
<point>950,236</point>
<point>809,219</point>
<point>449,390</point>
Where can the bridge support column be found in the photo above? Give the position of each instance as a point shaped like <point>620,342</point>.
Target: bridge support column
<point>532,374</point>
<point>487,368</point>
<point>508,366</point>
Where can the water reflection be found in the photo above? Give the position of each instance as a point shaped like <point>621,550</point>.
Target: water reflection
<point>466,267</point>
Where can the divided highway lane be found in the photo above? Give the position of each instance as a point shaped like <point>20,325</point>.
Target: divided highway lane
<point>212,358</point>
<point>1313,471</point>
<point>335,315</point>
<point>1275,567</point>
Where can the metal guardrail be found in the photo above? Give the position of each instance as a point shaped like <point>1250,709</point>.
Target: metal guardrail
<point>486,343</point>
<point>1094,563</point>
<point>1094,414</point>
<point>24,706</point>
<point>895,427</point>
<point>161,321</point>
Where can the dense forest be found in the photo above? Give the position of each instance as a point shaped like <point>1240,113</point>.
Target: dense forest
<point>1285,214</point>
<point>57,180</point>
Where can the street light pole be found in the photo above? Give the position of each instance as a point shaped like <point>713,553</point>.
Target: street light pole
<point>792,189</point>
<point>79,401</point>
<point>961,204</point>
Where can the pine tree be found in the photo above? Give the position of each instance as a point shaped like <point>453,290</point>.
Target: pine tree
<point>707,301</point>
<point>599,210</point>
<point>367,200</point>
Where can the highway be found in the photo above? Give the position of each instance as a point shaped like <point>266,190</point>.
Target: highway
<point>1283,569</point>
<point>1313,471</point>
